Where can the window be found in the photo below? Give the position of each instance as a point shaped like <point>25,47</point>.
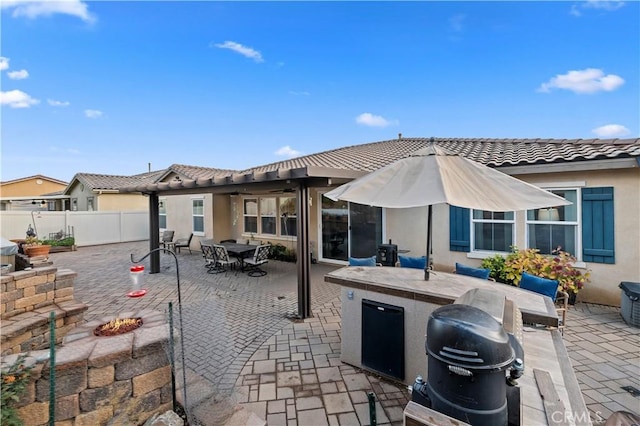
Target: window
<point>268,215</point>
<point>492,231</point>
<point>250,215</point>
<point>89,204</point>
<point>198,216</point>
<point>288,218</point>
<point>555,228</point>
<point>585,229</point>
<point>162,213</point>
<point>74,204</point>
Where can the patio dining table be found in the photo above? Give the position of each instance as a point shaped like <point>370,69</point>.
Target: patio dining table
<point>241,251</point>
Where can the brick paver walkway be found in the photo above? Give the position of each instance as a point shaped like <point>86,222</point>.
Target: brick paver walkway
<point>247,359</point>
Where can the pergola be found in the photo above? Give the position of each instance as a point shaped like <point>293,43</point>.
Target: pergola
<point>300,179</point>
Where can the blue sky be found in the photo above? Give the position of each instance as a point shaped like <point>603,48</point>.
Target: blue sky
<point>108,87</point>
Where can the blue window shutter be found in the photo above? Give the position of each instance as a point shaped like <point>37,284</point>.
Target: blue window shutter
<point>459,229</point>
<point>598,243</point>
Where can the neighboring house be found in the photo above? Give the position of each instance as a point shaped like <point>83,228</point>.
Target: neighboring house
<point>186,213</point>
<point>601,228</point>
<point>33,192</point>
<point>97,192</point>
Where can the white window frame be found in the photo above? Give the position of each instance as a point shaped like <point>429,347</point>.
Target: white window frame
<point>194,215</point>
<point>259,215</point>
<point>245,215</point>
<point>273,216</point>
<point>162,212</point>
<point>473,231</point>
<point>281,216</point>
<point>574,186</point>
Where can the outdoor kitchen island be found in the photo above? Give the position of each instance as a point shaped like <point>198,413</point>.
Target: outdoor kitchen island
<point>398,302</point>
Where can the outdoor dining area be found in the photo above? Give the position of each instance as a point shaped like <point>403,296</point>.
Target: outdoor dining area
<point>231,255</point>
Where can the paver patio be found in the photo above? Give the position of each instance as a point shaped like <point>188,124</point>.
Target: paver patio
<point>248,359</point>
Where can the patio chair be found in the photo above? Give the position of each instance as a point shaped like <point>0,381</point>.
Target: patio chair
<point>223,260</point>
<point>549,288</point>
<point>411,261</point>
<point>363,261</point>
<point>166,239</point>
<point>470,271</point>
<point>209,257</point>
<point>260,257</point>
<point>183,243</point>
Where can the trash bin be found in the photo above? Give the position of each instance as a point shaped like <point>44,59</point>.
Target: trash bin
<point>630,303</point>
<point>387,254</point>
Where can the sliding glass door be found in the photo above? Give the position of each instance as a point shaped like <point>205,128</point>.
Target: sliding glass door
<point>348,229</point>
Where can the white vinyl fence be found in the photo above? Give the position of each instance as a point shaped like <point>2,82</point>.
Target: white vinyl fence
<point>89,228</point>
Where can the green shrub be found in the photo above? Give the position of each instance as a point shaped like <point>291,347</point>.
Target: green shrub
<point>14,381</point>
<point>495,264</point>
<point>65,242</point>
<point>282,253</point>
<point>559,266</point>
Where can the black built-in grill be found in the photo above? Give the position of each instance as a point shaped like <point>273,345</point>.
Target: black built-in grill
<point>472,360</point>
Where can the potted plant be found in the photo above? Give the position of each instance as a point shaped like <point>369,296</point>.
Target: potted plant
<point>32,246</point>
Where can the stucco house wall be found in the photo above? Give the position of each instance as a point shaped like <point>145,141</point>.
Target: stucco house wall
<point>121,202</point>
<point>31,186</point>
<point>408,227</point>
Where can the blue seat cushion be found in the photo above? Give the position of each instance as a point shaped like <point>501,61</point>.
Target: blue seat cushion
<point>540,285</point>
<point>472,272</point>
<point>364,261</point>
<point>412,262</point>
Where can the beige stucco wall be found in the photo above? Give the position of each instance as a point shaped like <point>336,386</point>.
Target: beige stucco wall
<point>30,187</point>
<point>407,227</point>
<point>121,202</point>
<point>180,219</point>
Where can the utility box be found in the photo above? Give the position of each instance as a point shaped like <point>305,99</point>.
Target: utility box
<point>387,254</point>
<point>630,303</point>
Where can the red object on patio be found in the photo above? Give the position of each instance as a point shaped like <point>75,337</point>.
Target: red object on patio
<point>136,273</point>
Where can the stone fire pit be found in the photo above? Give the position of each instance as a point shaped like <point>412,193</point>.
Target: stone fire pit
<point>122,379</point>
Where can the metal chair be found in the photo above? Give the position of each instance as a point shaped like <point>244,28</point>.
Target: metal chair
<point>209,258</point>
<point>260,257</point>
<point>166,239</point>
<point>182,243</point>
<point>223,260</point>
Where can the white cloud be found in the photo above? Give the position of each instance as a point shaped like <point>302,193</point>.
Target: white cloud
<point>287,151</point>
<point>92,113</point>
<point>607,5</point>
<point>243,50</point>
<point>611,131</point>
<point>457,22</point>
<point>368,119</point>
<point>17,99</point>
<point>590,80</point>
<point>297,93</point>
<point>55,103</point>
<point>33,9</point>
<point>18,75</point>
<point>72,151</point>
<point>4,63</point>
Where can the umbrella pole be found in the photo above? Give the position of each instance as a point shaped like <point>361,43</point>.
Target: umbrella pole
<point>426,263</point>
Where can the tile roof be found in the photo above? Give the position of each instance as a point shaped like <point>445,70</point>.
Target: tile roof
<point>492,152</point>
<point>194,172</point>
<point>61,182</point>
<point>112,182</point>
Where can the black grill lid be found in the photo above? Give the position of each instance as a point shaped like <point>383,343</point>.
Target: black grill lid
<point>468,337</point>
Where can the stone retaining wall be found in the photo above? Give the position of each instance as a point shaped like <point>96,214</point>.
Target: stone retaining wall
<point>27,299</point>
<point>121,380</point>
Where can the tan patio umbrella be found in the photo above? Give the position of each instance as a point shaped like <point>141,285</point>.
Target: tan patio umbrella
<point>434,175</point>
